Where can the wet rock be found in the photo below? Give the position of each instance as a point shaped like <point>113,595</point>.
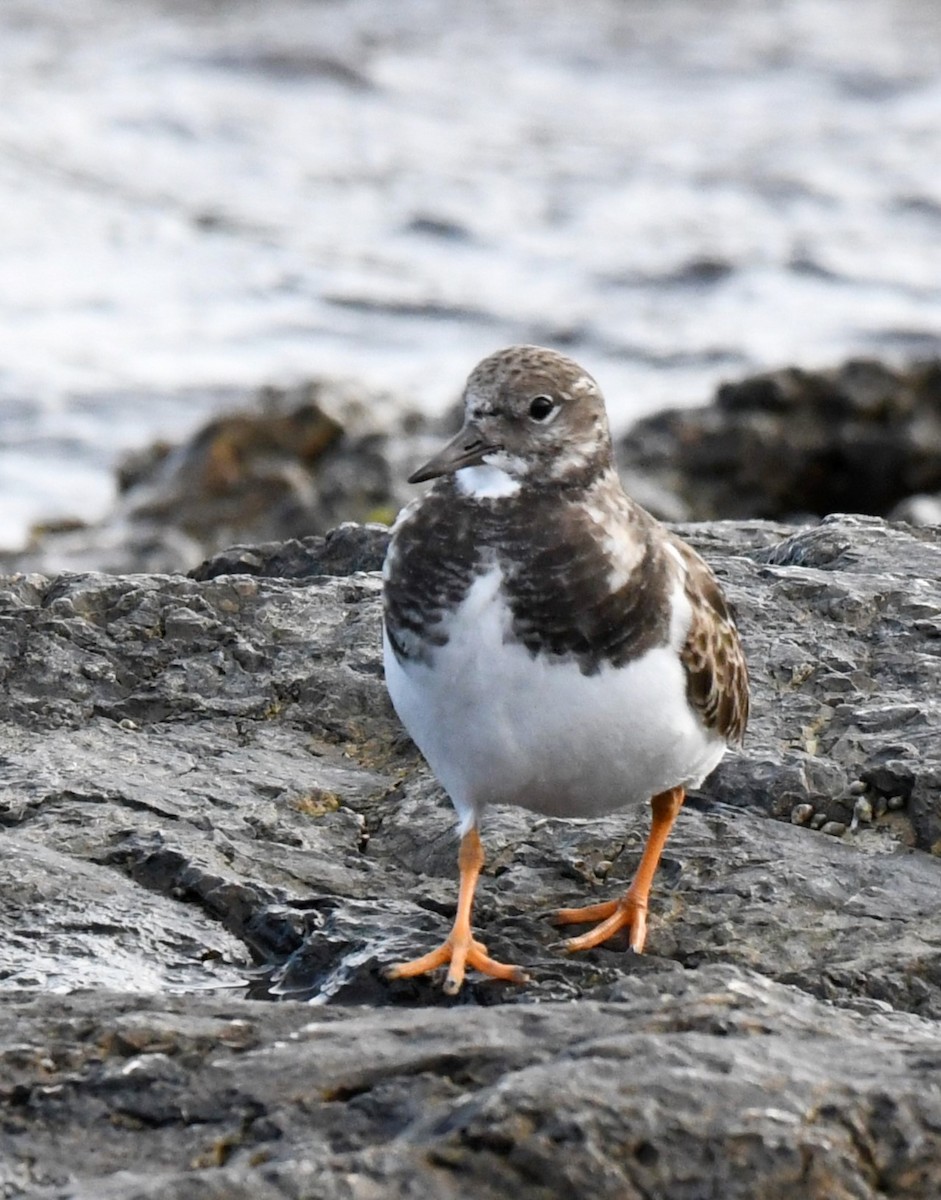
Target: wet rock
<point>292,463</point>
<point>209,814</point>
<point>793,443</point>
<point>344,550</point>
<point>716,1081</point>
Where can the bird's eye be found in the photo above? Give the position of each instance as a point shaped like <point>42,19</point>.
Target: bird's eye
<point>541,407</point>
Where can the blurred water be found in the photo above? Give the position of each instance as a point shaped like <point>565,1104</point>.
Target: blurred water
<point>198,196</point>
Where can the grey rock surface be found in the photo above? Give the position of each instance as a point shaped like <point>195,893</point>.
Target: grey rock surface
<point>206,804</point>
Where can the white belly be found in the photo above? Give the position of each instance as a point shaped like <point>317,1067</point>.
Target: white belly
<point>500,726</point>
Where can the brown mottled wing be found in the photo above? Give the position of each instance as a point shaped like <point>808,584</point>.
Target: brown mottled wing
<point>716,673</point>
<point>558,582</point>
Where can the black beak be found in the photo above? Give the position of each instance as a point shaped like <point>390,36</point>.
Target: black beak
<point>467,449</point>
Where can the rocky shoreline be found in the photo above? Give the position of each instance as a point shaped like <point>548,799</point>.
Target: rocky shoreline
<point>207,803</point>
<point>796,444</point>
<point>286,463</point>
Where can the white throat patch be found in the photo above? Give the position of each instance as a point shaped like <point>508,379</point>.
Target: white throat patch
<point>485,482</point>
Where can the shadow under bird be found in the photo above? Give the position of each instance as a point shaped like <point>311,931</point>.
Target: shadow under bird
<point>547,642</point>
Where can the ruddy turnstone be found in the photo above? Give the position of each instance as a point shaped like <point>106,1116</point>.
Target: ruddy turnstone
<point>547,642</point>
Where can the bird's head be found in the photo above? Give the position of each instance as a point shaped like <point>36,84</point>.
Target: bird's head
<point>531,414</point>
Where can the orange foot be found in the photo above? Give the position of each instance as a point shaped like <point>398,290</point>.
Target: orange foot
<point>460,948</point>
<point>461,951</point>
<point>630,912</point>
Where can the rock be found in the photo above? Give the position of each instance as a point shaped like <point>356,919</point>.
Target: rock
<point>715,1082</point>
<point>792,443</point>
<point>344,550</point>
<point>206,804</point>
<point>292,463</point>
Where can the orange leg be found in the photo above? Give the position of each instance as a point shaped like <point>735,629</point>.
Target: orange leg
<point>631,910</point>
<point>460,949</point>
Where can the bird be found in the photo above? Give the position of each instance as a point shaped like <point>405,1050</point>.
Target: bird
<point>547,642</point>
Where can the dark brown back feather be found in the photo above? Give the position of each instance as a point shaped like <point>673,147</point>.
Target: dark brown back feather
<point>556,576</point>
<point>557,584</point>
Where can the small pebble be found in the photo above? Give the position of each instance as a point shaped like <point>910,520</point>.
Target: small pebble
<point>127,723</point>
<point>857,787</point>
<point>833,828</point>
<point>818,820</point>
<point>602,868</point>
<point>862,813</point>
<point>896,802</point>
<point>801,814</point>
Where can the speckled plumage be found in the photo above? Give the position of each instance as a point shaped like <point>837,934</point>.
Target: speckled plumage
<point>547,642</point>
<point>556,570</point>
<point>586,571</point>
